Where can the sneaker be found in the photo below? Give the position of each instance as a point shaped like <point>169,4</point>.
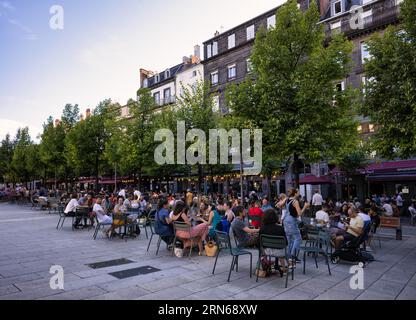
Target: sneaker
<point>297,260</point>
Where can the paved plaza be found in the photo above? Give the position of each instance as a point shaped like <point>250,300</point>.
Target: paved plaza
<point>30,245</point>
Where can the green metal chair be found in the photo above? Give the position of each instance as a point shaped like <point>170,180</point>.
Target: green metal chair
<point>182,226</point>
<point>224,244</point>
<point>142,220</point>
<point>277,243</point>
<point>317,244</point>
<point>98,226</point>
<point>62,217</point>
<point>153,233</point>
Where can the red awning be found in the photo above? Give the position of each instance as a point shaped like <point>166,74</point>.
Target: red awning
<point>107,181</point>
<point>314,180</point>
<point>385,167</point>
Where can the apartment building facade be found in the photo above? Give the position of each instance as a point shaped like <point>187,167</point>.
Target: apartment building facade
<point>227,55</point>
<point>167,86</point>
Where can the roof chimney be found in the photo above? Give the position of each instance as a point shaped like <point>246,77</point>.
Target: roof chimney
<point>197,51</point>
<point>323,7</point>
<point>144,74</point>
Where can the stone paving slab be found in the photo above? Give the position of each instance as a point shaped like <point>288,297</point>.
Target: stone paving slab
<point>25,262</point>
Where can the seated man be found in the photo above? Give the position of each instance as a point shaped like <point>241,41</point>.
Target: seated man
<point>353,228</point>
<point>322,217</point>
<point>387,209</point>
<point>101,216</point>
<point>71,208</point>
<point>246,237</point>
<point>163,224</point>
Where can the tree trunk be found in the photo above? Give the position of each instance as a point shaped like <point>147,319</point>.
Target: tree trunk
<point>212,179</point>
<point>241,179</point>
<point>200,178</point>
<point>296,170</point>
<point>97,164</point>
<point>348,186</point>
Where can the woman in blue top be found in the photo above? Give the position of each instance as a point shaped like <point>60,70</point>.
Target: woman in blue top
<point>163,223</point>
<point>290,223</point>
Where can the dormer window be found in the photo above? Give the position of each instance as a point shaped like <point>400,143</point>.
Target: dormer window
<point>157,78</point>
<point>337,7</point>
<point>167,74</point>
<point>145,83</point>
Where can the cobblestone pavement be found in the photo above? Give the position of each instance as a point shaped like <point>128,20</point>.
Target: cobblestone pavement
<point>30,245</point>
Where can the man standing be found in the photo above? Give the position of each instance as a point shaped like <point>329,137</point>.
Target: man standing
<point>189,197</point>
<point>317,201</point>
<point>399,202</point>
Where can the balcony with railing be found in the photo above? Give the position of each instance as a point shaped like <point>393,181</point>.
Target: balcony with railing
<point>166,100</point>
<point>383,13</point>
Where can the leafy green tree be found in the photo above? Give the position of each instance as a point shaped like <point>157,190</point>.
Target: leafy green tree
<point>70,116</point>
<point>350,161</point>
<point>293,97</point>
<point>6,157</point>
<point>24,157</point>
<point>52,147</point>
<point>390,93</point>
<point>196,109</point>
<point>86,141</point>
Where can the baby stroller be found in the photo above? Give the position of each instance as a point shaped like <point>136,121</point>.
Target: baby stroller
<point>351,251</point>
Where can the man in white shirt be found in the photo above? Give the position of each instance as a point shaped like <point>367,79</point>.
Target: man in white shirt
<point>72,205</point>
<point>317,201</point>
<point>99,211</point>
<point>322,216</point>
<point>399,202</point>
<point>388,210</point>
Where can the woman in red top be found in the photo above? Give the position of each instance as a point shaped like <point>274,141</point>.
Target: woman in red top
<point>255,214</point>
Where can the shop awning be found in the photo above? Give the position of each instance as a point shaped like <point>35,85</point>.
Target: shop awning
<point>314,180</point>
<point>392,177</point>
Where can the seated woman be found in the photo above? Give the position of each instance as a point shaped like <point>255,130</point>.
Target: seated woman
<point>163,224</point>
<point>101,215</point>
<point>272,228</point>
<point>118,216</point>
<point>256,214</point>
<point>209,216</point>
<point>135,204</point>
<point>199,232</point>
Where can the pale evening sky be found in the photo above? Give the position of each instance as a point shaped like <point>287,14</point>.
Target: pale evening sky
<point>100,50</point>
